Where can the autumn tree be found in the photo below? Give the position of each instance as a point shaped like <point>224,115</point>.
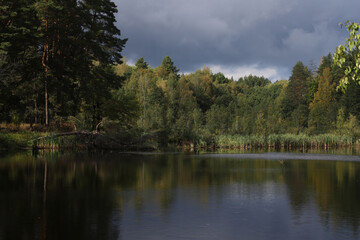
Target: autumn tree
<point>322,110</point>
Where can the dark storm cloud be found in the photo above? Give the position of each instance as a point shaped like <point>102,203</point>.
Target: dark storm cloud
<point>235,37</point>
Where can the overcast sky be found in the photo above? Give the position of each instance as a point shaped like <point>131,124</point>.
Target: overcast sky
<point>235,37</point>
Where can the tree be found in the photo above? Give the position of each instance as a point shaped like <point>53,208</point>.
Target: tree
<point>348,56</point>
<point>350,100</point>
<point>321,115</point>
<point>252,81</point>
<point>55,48</point>
<point>141,64</point>
<point>326,62</point>
<point>58,28</point>
<point>102,40</point>
<point>202,87</point>
<point>297,88</point>
<point>75,33</point>
<point>122,107</point>
<point>294,104</point>
<point>220,78</point>
<point>18,27</point>
<point>19,37</point>
<point>168,67</point>
<point>96,91</point>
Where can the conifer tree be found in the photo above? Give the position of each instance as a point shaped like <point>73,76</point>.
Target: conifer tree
<point>294,106</point>
<point>296,90</point>
<point>168,66</point>
<point>141,64</point>
<point>76,33</point>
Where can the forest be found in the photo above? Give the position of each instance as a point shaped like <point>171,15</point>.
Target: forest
<point>61,70</point>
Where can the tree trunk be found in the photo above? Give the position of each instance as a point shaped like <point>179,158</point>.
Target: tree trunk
<point>45,63</point>
<point>46,104</point>
<point>36,111</point>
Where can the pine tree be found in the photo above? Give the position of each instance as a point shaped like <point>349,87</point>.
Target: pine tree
<point>168,66</point>
<point>294,106</point>
<point>296,90</point>
<point>19,36</point>
<point>141,64</point>
<point>325,62</point>
<point>76,33</point>
<point>55,47</point>
<point>102,40</point>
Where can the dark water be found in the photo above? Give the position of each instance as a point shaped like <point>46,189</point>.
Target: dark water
<point>175,196</point>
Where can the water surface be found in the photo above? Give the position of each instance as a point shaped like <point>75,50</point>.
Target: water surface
<point>176,196</point>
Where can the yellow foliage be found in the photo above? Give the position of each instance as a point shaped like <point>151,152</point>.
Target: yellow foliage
<point>324,94</point>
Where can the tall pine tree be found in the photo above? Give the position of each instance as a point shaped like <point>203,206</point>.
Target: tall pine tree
<point>294,106</point>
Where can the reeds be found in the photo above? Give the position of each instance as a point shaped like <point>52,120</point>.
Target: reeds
<point>241,142</point>
<point>16,140</point>
<point>53,142</point>
<point>285,141</point>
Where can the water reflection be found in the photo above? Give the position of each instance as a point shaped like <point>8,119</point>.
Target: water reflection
<point>125,196</point>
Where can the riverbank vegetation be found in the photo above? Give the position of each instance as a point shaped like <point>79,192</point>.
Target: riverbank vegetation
<point>61,71</point>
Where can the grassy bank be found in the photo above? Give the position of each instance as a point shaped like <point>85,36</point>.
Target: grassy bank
<point>21,137</point>
<point>13,137</point>
<point>56,140</point>
<point>17,140</point>
<point>285,141</point>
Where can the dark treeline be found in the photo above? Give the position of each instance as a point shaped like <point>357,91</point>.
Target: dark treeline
<point>60,66</point>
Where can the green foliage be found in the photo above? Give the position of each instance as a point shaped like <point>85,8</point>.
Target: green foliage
<point>347,127</point>
<point>287,141</point>
<point>167,68</point>
<point>351,100</point>
<point>296,89</point>
<point>347,56</point>
<point>140,63</point>
<point>294,106</point>
<point>220,78</point>
<point>326,62</point>
<point>202,87</point>
<point>122,107</point>
<point>19,139</point>
<point>59,51</point>
<point>252,81</point>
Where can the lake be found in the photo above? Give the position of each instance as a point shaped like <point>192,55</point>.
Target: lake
<point>64,195</point>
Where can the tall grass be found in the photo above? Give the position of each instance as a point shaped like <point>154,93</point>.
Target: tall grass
<point>287,141</point>
<point>37,140</point>
<point>64,142</point>
<point>239,141</point>
<point>16,140</point>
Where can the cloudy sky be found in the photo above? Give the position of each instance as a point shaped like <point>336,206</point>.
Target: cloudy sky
<point>235,37</point>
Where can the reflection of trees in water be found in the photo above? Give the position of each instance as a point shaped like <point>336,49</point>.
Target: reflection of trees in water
<point>74,205</point>
<point>333,185</point>
<point>88,191</point>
